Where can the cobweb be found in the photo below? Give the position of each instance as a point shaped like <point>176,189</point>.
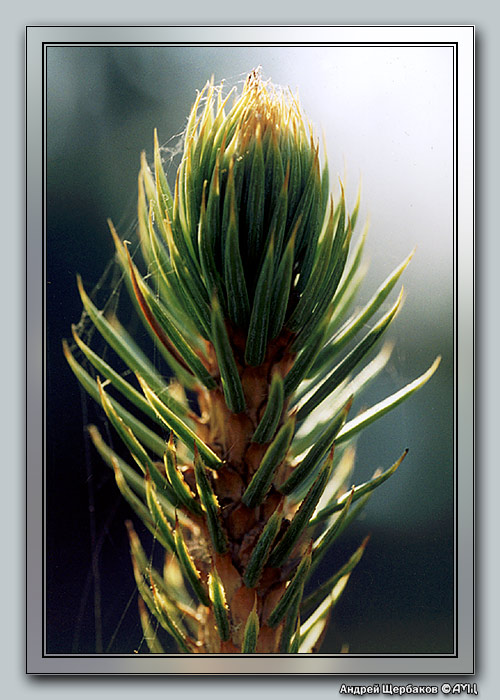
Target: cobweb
<point>111,296</point>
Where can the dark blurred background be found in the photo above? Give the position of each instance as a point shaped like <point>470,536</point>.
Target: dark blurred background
<point>387,115</point>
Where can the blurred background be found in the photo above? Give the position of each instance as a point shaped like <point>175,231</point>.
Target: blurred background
<point>387,116</point>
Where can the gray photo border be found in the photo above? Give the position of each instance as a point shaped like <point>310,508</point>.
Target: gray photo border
<point>462,662</point>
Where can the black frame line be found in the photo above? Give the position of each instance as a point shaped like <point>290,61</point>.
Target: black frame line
<point>455,219</point>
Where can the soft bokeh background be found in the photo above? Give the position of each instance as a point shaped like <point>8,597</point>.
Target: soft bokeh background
<point>387,114</point>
